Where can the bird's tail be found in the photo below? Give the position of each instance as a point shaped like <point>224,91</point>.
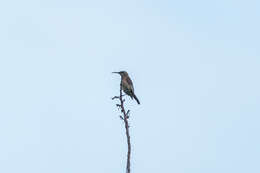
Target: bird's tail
<point>136,99</point>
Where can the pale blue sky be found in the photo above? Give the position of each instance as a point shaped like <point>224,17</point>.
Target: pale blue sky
<point>195,66</point>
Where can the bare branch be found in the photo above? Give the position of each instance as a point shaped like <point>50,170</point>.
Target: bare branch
<point>125,118</point>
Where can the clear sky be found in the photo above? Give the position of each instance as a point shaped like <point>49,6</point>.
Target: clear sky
<point>195,67</point>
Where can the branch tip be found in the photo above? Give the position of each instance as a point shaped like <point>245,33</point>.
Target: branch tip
<point>115,97</point>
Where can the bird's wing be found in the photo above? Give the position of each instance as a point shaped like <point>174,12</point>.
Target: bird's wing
<point>130,83</point>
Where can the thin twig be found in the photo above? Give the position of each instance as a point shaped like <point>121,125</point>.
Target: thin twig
<point>125,118</point>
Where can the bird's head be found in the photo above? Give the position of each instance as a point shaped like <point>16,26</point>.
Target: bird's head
<point>122,73</point>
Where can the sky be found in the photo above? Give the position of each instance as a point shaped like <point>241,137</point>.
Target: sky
<point>195,66</point>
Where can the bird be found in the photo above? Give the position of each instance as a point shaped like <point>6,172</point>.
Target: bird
<point>127,85</point>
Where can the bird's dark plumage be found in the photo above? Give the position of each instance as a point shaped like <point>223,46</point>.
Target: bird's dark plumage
<point>127,85</point>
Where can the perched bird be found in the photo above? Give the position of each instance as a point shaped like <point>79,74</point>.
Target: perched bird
<point>127,85</point>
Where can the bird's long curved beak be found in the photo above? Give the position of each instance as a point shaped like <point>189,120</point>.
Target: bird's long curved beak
<point>116,72</point>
